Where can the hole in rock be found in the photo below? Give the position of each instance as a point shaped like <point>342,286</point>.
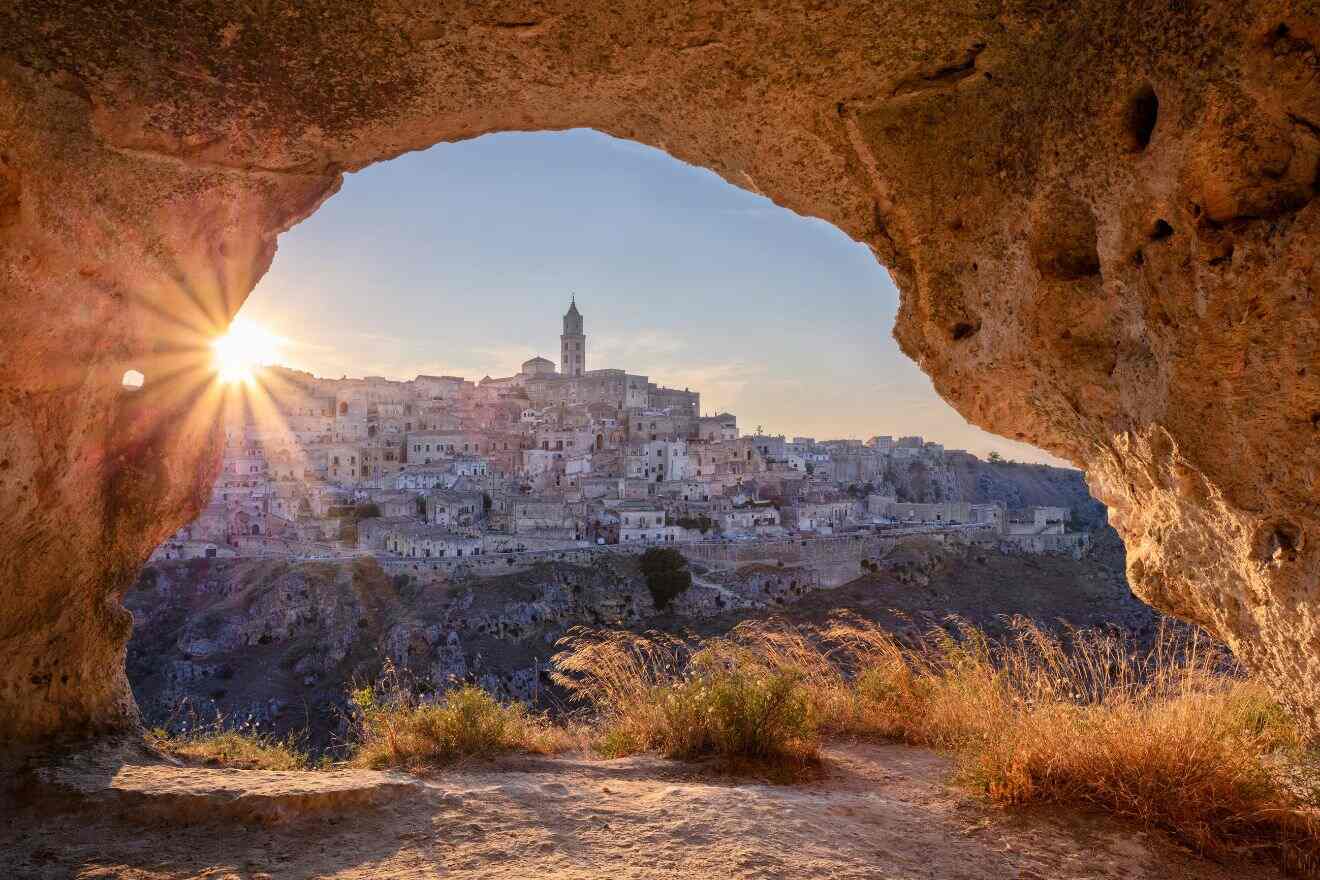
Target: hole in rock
<point>1143,113</point>
<point>1063,236</point>
<point>1278,542</point>
<point>1161,230</point>
<point>556,344</point>
<point>1224,256</point>
<point>132,380</point>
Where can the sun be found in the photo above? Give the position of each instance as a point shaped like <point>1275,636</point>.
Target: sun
<point>244,348</point>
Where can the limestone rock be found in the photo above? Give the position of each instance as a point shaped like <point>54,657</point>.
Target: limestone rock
<point>1101,215</point>
<point>118,782</point>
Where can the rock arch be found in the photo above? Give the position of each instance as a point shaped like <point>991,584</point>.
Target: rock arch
<point>1100,213</point>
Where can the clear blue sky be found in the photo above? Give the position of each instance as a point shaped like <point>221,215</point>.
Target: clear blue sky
<point>460,260</point>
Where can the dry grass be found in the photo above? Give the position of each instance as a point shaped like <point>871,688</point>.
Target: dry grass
<point>396,728</point>
<point>231,748</point>
<point>739,701</point>
<point>1174,738</point>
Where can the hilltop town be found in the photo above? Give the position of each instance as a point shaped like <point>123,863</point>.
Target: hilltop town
<point>443,469</point>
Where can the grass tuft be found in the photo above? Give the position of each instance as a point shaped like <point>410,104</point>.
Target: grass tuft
<point>231,748</point>
<point>724,698</point>
<point>395,728</point>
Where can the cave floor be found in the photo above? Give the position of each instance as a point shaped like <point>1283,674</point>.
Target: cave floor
<point>877,811</point>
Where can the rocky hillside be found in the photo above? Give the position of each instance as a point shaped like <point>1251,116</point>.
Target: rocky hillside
<point>279,644</point>
<point>1015,484</point>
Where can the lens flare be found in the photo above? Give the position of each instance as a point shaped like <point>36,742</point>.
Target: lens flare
<point>244,348</point>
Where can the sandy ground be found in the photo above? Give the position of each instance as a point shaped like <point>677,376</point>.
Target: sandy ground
<point>880,813</point>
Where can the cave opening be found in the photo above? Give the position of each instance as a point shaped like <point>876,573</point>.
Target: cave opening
<point>439,271</point>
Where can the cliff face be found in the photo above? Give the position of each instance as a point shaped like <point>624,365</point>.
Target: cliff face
<point>1015,485</point>
<point>1101,215</point>
<point>279,645</point>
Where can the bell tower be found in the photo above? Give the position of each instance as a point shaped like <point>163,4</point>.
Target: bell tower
<point>573,343</point>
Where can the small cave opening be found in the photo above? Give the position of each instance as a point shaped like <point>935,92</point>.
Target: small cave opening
<point>1064,240</point>
<point>1143,113</point>
<point>1161,230</point>
<point>1278,541</point>
<point>964,330</point>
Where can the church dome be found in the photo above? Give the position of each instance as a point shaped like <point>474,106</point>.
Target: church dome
<point>538,366</point>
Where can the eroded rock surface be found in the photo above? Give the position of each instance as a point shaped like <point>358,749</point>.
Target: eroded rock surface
<point>1101,215</point>
<point>123,783</point>
<point>879,811</point>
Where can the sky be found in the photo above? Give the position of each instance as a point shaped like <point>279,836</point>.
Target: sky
<point>460,260</point>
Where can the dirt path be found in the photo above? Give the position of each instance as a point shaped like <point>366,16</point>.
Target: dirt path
<point>881,812</point>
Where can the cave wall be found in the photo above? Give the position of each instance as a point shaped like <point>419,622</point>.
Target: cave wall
<point>1100,215</point>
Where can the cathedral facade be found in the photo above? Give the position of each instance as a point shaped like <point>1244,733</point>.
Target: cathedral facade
<point>574,385</point>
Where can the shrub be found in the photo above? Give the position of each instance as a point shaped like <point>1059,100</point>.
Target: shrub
<point>725,698</point>
<point>231,748</point>
<point>394,728</point>
<point>667,574</point>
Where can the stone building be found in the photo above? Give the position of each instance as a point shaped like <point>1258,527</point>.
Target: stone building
<point>642,523</point>
<point>454,507</point>
<point>394,503</point>
<point>754,517</point>
<point>1038,521</point>
<point>821,515</point>
<point>711,429</point>
<point>418,540</point>
<point>953,512</point>
<point>573,344</point>
<point>544,518</point>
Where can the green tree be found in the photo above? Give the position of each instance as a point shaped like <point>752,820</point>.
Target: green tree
<point>667,574</point>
